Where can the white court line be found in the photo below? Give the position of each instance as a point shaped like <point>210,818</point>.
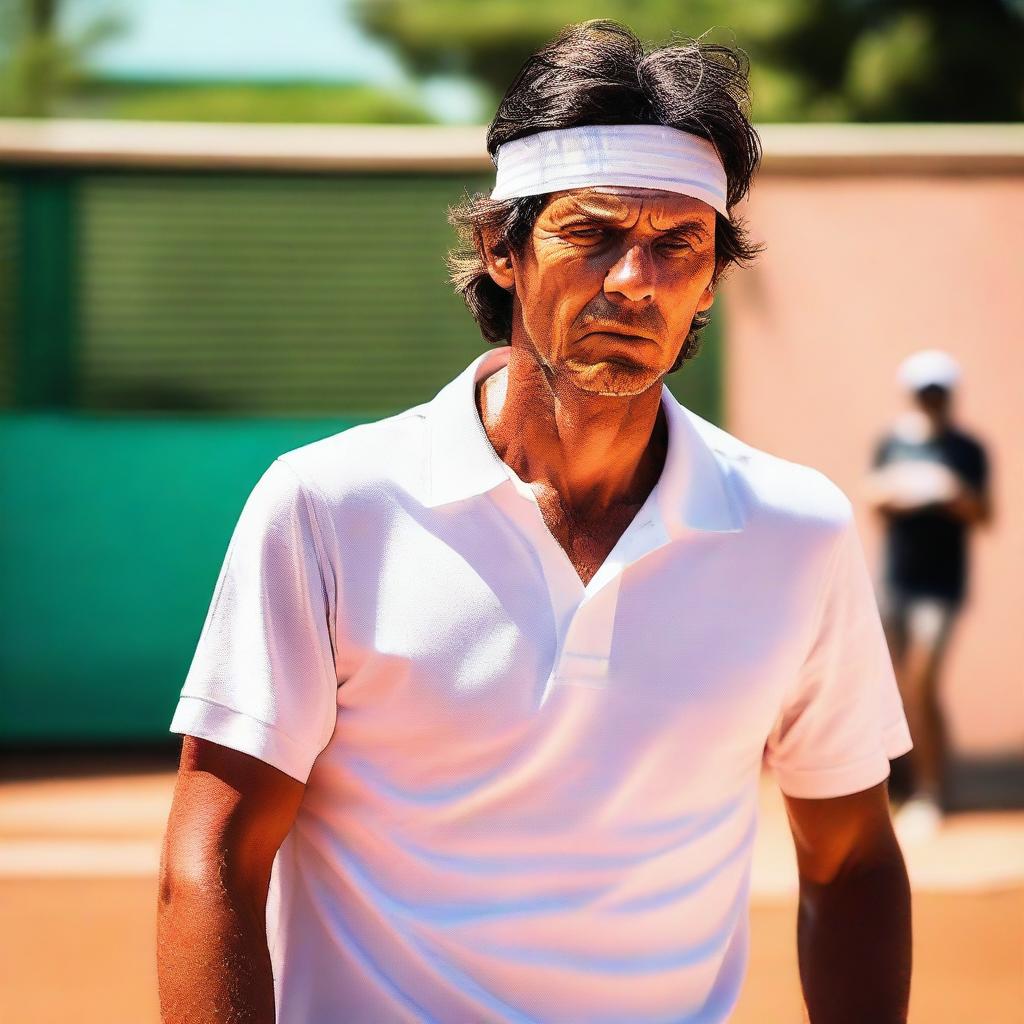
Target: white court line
<point>79,858</point>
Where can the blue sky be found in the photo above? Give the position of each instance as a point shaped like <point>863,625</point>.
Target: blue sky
<point>253,39</point>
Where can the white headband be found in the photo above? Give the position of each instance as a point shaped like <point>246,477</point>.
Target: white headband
<point>641,155</point>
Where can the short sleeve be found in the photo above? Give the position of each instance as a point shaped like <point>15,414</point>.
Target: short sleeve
<point>843,720</point>
<point>263,678</point>
<point>976,470</point>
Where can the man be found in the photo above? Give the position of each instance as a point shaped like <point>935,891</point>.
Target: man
<point>930,485</point>
<point>476,720</point>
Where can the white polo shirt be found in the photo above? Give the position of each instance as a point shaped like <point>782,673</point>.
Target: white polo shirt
<point>530,800</point>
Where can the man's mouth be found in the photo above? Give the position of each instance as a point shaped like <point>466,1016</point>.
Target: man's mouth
<point>620,334</point>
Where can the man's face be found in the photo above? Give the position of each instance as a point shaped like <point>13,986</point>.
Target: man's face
<point>609,282</point>
<point>933,398</point>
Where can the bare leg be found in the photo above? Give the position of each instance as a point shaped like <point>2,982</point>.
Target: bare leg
<point>928,627</point>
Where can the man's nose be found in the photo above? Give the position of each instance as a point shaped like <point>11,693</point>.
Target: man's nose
<point>633,274</point>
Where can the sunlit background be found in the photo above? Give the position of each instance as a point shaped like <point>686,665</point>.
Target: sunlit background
<point>222,235</point>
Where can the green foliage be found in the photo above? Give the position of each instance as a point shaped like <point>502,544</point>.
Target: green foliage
<point>869,60</point>
<point>891,60</point>
<point>489,41</point>
<point>950,61</point>
<point>37,66</point>
<point>35,75</point>
<point>241,102</point>
<point>43,73</point>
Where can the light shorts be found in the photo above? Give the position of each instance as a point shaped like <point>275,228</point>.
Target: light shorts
<point>909,617</point>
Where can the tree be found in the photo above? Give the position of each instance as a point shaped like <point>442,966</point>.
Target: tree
<point>37,65</point>
<point>871,60</point>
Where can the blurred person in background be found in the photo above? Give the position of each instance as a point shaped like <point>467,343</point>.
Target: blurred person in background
<point>475,725</point>
<point>929,482</point>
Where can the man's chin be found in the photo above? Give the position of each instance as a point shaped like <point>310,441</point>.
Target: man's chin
<point>613,377</point>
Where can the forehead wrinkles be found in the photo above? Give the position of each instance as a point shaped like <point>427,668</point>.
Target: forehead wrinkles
<point>625,208</point>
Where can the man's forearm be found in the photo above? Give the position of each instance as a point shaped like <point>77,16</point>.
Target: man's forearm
<point>213,965</point>
<point>968,506</point>
<point>854,944</point>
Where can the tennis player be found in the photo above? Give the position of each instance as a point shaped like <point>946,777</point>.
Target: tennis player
<point>474,727</point>
<point>931,487</point>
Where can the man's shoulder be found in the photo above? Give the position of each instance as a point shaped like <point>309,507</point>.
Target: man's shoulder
<point>769,486</point>
<point>377,457</point>
<point>965,440</point>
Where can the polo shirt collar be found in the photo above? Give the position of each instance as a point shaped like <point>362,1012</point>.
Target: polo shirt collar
<point>692,491</point>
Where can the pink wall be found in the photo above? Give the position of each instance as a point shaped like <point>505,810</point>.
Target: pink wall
<point>859,271</point>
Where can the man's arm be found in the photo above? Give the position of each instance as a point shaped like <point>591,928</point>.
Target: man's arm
<point>854,919</point>
<point>970,504</point>
<point>875,488</point>
<point>230,814</point>
<point>876,491</point>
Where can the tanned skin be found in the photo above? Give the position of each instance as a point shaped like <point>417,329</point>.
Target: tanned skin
<point>229,816</point>
<point>603,300</point>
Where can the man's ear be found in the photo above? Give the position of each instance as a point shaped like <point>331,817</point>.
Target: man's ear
<point>497,259</point>
<point>707,297</point>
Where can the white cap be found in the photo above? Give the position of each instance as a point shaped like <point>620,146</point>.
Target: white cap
<point>929,366</point>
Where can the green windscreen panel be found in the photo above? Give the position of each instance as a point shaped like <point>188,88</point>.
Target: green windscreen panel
<point>112,532</point>
<point>278,295</point>
<point>244,295</point>
<point>8,277</point>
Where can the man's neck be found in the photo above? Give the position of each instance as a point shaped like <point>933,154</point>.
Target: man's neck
<point>596,451</point>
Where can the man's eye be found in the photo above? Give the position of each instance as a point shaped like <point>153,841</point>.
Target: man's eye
<point>584,233</point>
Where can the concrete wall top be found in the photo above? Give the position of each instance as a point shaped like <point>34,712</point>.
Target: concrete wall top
<point>788,148</point>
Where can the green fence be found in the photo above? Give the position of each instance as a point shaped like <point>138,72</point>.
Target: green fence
<point>162,337</point>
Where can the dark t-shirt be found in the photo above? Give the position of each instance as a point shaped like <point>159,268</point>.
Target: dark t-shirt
<point>926,550</point>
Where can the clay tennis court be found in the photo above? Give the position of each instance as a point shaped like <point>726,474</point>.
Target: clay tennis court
<point>79,853</point>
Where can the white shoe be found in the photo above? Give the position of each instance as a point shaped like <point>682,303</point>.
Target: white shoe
<point>919,818</point>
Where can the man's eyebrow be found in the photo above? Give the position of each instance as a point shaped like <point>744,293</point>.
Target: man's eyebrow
<point>578,216</point>
<point>689,227</point>
<point>578,212</point>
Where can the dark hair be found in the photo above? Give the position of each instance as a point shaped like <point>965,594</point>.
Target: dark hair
<point>597,72</point>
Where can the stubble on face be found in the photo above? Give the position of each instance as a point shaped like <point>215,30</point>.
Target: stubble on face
<point>620,376</point>
<point>598,365</point>
<point>564,340</point>
<point>603,364</point>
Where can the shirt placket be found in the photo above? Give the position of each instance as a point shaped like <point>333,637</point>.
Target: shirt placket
<point>584,615</point>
